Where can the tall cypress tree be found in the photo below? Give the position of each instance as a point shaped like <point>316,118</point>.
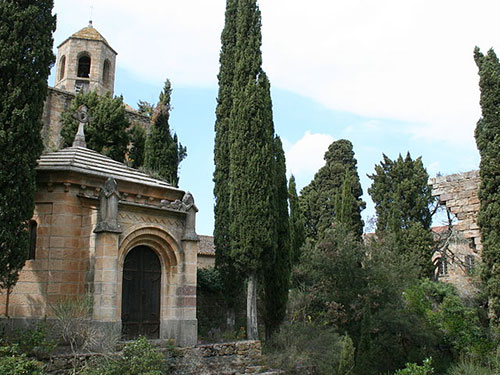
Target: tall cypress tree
<point>488,143</point>
<point>297,236</point>
<point>319,199</point>
<point>163,153</point>
<point>402,200</point>
<point>232,280</point>
<point>251,158</point>
<point>277,264</point>
<point>26,56</point>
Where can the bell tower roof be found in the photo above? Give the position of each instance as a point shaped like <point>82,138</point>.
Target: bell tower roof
<point>88,33</point>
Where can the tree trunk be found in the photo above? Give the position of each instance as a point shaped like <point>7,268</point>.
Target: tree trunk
<point>7,298</point>
<point>230,318</point>
<point>252,329</point>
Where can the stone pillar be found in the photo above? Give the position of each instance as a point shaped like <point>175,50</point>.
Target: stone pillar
<point>106,275</point>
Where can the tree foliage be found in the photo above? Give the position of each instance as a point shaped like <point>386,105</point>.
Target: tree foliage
<point>26,56</point>
<point>138,145</point>
<point>277,264</point>
<point>163,152</point>
<point>106,132</point>
<point>321,200</point>
<point>297,236</point>
<point>402,200</point>
<point>488,142</point>
<point>222,239</point>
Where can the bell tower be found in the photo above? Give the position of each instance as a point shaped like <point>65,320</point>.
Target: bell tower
<point>85,61</point>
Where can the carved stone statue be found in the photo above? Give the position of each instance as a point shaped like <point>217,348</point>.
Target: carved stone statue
<point>108,217</point>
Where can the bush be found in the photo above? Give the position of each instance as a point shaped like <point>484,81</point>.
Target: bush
<point>469,368</point>
<point>12,362</point>
<point>138,358</point>
<point>299,347</point>
<point>414,369</point>
<point>34,342</point>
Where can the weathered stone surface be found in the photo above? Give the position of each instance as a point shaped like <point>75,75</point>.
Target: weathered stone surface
<point>235,358</point>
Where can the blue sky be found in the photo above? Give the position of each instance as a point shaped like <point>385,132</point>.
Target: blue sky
<point>391,76</point>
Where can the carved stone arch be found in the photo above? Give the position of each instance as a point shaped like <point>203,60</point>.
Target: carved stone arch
<point>155,236</point>
<point>170,256</point>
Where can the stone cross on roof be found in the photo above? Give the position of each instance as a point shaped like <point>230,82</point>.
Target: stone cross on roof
<point>83,118</point>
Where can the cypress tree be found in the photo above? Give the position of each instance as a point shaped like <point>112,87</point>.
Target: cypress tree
<point>277,265</point>
<point>26,56</point>
<point>232,280</point>
<point>319,199</point>
<point>163,153</point>
<point>251,158</point>
<point>138,142</point>
<point>106,132</point>
<point>297,236</point>
<point>488,143</point>
<point>402,200</point>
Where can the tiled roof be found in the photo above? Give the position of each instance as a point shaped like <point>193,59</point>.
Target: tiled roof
<point>89,33</point>
<point>83,160</point>
<point>207,246</point>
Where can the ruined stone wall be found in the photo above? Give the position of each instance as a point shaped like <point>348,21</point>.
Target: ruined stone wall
<point>459,194</point>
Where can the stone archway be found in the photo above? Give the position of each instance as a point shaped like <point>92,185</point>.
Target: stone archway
<point>141,291</point>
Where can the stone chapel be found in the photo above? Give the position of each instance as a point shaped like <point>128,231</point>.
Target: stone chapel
<point>102,229</point>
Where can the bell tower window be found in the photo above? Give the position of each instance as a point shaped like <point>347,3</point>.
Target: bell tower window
<point>84,66</point>
<point>105,72</point>
<point>62,66</point>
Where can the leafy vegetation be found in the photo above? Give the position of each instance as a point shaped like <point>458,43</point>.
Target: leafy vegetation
<point>106,132</point>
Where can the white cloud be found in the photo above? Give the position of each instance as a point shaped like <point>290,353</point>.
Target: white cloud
<point>404,60</point>
<point>305,157</point>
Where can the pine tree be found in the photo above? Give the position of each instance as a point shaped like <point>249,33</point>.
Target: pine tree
<point>402,200</point>
<point>277,264</point>
<point>106,132</point>
<point>318,200</point>
<point>297,236</point>
<point>233,282</point>
<point>163,152</point>
<point>26,56</point>
<point>488,143</point>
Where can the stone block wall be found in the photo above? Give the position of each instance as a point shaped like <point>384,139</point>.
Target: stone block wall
<point>459,194</point>
<point>235,358</point>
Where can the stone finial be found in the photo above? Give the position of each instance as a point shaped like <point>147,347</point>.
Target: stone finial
<point>108,216</point>
<point>83,118</point>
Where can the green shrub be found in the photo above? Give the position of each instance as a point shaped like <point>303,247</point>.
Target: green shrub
<point>414,369</point>
<point>300,346</point>
<point>34,341</point>
<point>12,362</point>
<point>138,358</point>
<point>469,368</point>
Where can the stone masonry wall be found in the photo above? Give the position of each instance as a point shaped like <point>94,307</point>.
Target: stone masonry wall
<point>459,193</point>
<point>235,358</point>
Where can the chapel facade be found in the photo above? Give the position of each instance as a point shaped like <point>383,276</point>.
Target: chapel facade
<point>102,230</point>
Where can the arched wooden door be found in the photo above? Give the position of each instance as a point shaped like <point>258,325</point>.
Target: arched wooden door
<point>141,294</point>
